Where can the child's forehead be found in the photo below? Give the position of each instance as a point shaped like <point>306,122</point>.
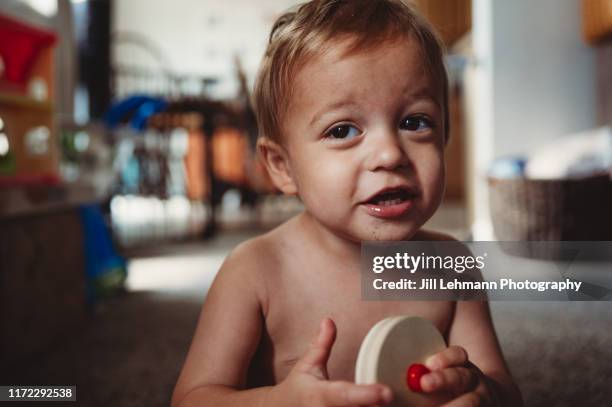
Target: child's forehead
<point>345,65</point>
<point>350,45</point>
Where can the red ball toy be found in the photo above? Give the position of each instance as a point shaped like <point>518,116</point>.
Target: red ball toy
<point>413,376</point>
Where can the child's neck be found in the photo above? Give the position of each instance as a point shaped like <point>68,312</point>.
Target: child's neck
<point>344,250</point>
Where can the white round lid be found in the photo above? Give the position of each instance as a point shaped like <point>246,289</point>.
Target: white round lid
<point>389,348</point>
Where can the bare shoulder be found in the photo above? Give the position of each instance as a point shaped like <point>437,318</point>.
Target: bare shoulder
<point>252,255</point>
<point>264,252</point>
<point>427,235</point>
<point>244,265</point>
<point>257,261</point>
<point>232,319</point>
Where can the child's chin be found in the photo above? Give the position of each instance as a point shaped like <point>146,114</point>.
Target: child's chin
<point>390,233</point>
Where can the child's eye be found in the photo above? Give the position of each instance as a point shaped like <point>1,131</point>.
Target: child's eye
<point>343,132</point>
<point>416,123</point>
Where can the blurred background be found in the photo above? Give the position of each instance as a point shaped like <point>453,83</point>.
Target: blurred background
<point>128,172</point>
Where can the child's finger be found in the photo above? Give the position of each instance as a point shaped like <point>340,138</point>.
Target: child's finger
<point>451,356</point>
<point>342,393</point>
<point>453,380</point>
<point>315,359</point>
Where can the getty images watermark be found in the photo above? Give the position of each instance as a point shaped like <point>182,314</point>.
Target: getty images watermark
<point>560,271</point>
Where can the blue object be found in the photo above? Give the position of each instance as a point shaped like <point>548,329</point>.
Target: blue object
<point>105,270</point>
<point>137,109</point>
<point>508,167</point>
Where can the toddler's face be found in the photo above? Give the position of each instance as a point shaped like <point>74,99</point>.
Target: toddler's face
<point>365,139</point>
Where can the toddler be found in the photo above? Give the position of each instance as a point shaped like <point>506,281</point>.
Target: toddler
<point>352,104</point>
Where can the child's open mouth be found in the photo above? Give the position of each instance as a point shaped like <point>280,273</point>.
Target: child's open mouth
<point>390,203</point>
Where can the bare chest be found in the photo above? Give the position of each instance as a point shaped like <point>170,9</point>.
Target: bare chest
<point>299,301</point>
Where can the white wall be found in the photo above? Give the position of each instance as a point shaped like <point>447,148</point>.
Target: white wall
<point>534,81</point>
<point>543,76</point>
<point>199,36</point>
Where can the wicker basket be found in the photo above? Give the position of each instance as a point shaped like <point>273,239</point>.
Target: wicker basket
<point>560,210</point>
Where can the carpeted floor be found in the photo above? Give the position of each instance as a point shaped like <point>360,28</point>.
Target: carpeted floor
<point>129,354</point>
<point>131,350</point>
<point>560,353</point>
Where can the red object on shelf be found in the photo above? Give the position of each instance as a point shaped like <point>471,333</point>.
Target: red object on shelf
<point>413,376</point>
<point>29,180</point>
<point>19,47</point>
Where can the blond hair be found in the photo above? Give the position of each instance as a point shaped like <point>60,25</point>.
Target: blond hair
<point>302,33</point>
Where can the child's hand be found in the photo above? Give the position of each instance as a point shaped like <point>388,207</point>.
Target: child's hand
<point>308,383</point>
<point>451,372</point>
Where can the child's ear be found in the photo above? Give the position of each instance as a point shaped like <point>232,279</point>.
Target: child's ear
<point>276,160</point>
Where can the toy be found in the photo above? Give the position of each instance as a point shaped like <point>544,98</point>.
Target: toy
<point>393,349</point>
<point>413,376</point>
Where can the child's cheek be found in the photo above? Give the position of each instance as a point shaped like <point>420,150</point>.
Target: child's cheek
<point>431,172</point>
<point>436,181</point>
<point>326,187</point>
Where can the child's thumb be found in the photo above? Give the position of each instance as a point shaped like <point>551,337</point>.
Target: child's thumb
<point>315,359</point>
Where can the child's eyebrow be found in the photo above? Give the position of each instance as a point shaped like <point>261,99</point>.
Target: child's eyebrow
<point>422,92</point>
<point>410,95</point>
<point>327,108</point>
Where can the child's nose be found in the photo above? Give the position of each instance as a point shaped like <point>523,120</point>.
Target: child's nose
<point>386,152</point>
